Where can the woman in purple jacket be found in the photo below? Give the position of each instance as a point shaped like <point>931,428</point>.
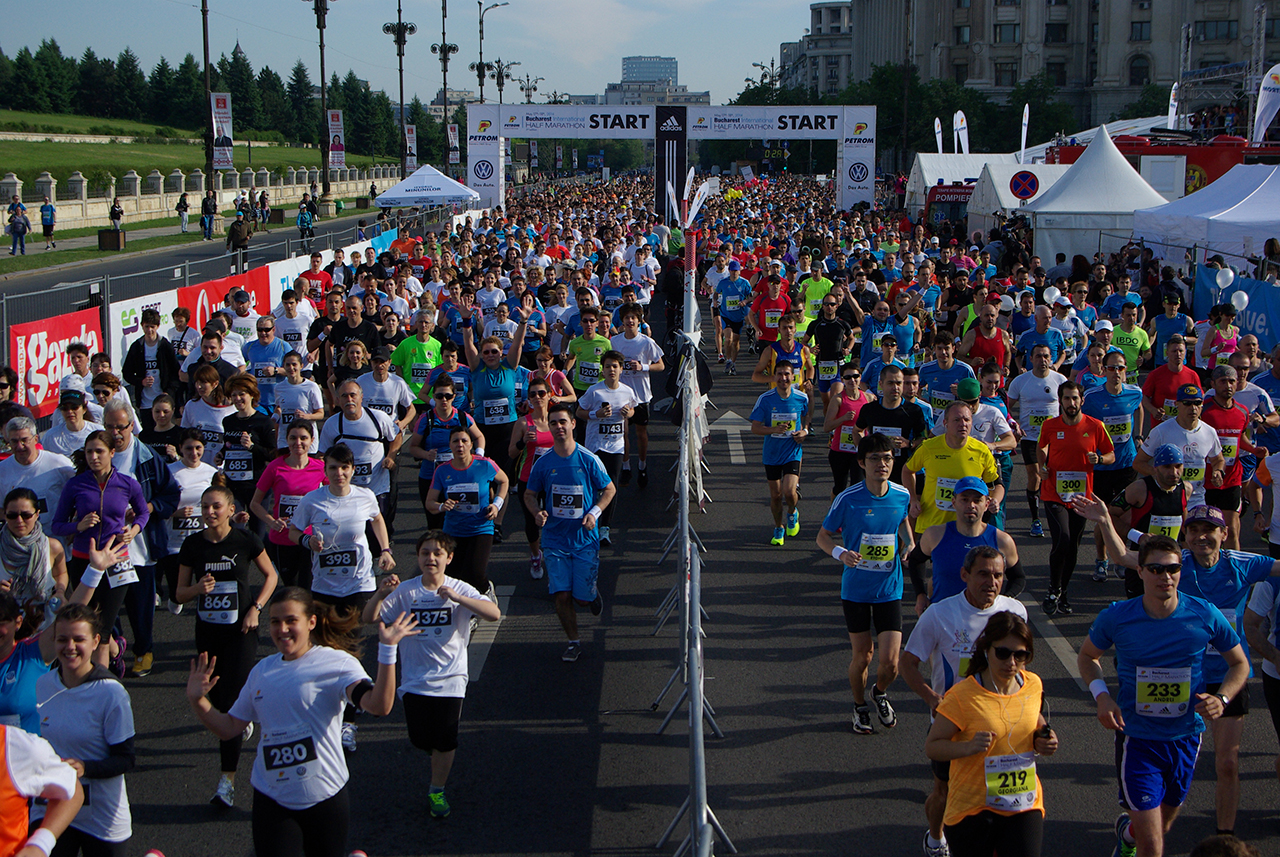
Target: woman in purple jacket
<point>97,503</point>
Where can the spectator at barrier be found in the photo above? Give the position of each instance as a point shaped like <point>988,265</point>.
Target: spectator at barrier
<point>184,211</point>
<point>208,211</point>
<point>238,234</point>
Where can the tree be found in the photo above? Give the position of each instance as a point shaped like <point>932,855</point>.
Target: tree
<point>31,92</point>
<point>6,79</point>
<point>129,87</point>
<point>160,91</point>
<point>275,112</point>
<point>1153,101</point>
<point>60,76</point>
<point>188,105</point>
<point>1048,116</point>
<point>357,114</point>
<point>246,101</point>
<point>303,109</point>
<point>92,91</point>
<point>383,136</point>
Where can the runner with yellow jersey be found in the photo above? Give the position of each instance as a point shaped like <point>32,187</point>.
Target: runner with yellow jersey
<point>946,460</point>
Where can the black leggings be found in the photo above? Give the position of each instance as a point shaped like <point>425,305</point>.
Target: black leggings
<point>844,465</point>
<point>1066,528</point>
<point>471,560</point>
<point>496,440</point>
<point>292,562</point>
<point>73,843</point>
<point>317,831</point>
<point>989,833</point>
<point>434,522</point>
<point>612,462</point>
<point>531,529</point>
<point>236,653</point>
<point>106,598</point>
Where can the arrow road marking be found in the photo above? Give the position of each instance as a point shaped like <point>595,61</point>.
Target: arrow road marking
<point>733,426</point>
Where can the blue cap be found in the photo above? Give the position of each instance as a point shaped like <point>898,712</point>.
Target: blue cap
<point>972,483</point>
<point>1190,393</point>
<point>735,265</point>
<point>1167,454</point>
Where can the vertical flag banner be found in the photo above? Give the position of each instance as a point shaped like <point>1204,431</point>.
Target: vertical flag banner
<point>962,127</point>
<point>1026,120</point>
<point>337,142</point>
<point>937,132</point>
<point>1173,107</point>
<point>411,148</point>
<point>454,153</point>
<point>559,157</point>
<point>533,154</point>
<point>220,107</point>
<point>1268,103</point>
<point>955,131</point>
<point>575,159</point>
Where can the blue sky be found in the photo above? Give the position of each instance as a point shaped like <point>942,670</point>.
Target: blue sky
<point>576,45</point>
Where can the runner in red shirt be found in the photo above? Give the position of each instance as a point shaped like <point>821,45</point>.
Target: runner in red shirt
<point>1229,419</point>
<point>1159,392</point>
<point>316,277</point>
<point>768,309</point>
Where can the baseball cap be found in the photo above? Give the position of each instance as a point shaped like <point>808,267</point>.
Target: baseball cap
<point>968,390</point>
<point>1190,393</point>
<point>239,214</point>
<point>1062,300</point>
<point>735,265</point>
<point>888,337</point>
<point>382,352</point>
<point>994,298</point>
<point>1167,454</point>
<point>972,483</point>
<point>1208,514</point>
<point>1103,324</point>
<point>71,399</point>
<point>241,297</point>
<point>935,241</point>
<point>1173,298</point>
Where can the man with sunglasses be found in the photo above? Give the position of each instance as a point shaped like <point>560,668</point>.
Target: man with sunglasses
<point>1159,390</point>
<point>265,358</point>
<point>1201,448</point>
<point>1118,406</point>
<point>1205,573</point>
<point>30,466</point>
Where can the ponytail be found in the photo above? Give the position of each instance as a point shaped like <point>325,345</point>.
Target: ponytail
<point>334,630</point>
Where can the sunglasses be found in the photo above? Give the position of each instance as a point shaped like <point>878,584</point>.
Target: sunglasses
<point>102,392</point>
<point>26,516</point>
<point>5,386</point>
<point>538,394</point>
<point>265,329</point>
<point>444,397</point>
<point>490,352</point>
<point>1003,654</point>
<point>1171,569</point>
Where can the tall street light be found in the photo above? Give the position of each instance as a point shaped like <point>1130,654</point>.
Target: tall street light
<point>208,89</point>
<point>501,74</point>
<point>326,198</point>
<point>481,68</point>
<point>400,31</point>
<point>529,85</point>
<point>444,50</point>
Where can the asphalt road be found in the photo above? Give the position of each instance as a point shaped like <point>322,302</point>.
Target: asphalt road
<point>563,759</point>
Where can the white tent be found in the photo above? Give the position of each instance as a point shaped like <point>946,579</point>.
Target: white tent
<point>1235,214</point>
<point>930,167</point>
<point>1097,194</point>
<point>427,187</point>
<point>993,191</point>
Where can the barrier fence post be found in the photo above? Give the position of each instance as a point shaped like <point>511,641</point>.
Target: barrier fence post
<point>4,320</point>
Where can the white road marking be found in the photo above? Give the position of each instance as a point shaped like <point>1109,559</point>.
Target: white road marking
<point>1058,643</point>
<point>733,426</point>
<point>482,639</point>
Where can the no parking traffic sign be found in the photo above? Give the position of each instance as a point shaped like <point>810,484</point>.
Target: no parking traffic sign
<point>1024,184</point>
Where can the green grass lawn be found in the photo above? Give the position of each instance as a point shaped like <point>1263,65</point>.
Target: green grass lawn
<point>37,257</point>
<point>60,123</point>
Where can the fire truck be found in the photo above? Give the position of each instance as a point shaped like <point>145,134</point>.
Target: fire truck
<point>1168,155</point>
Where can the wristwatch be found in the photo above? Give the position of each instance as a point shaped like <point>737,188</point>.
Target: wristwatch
<point>1226,700</point>
<point>257,607</point>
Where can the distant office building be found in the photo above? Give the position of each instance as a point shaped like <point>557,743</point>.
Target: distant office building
<point>457,98</point>
<point>649,69</point>
<point>584,99</point>
<point>641,94</point>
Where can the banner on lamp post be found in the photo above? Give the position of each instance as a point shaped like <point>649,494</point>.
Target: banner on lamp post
<point>533,154</point>
<point>559,157</point>
<point>1173,108</point>
<point>337,142</point>
<point>411,148</point>
<point>575,159</point>
<point>454,153</point>
<point>220,110</point>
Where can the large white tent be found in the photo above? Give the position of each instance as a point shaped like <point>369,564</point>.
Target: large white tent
<point>426,187</point>
<point>993,192</point>
<point>930,167</point>
<point>1090,208</point>
<point>1235,214</point>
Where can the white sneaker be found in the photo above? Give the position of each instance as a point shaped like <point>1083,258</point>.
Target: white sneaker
<point>349,737</point>
<point>942,850</point>
<point>175,608</point>
<point>225,796</point>
<point>535,567</point>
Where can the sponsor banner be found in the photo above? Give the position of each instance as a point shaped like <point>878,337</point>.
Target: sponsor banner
<point>766,123</point>
<point>455,156</point>
<point>337,142</point>
<point>204,299</point>
<point>124,322</point>
<point>411,148</point>
<point>220,110</point>
<point>559,157</point>
<point>385,240</point>
<point>575,159</point>
<point>1256,317</point>
<point>857,156</point>
<point>486,172</point>
<point>670,150</point>
<point>1268,103</point>
<point>590,121</point>
<point>38,354</point>
<point>533,153</point>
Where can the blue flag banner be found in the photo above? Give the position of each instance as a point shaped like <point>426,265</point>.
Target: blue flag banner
<point>1261,317</point>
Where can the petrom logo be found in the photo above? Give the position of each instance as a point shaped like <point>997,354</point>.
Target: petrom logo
<point>859,128</point>
<point>483,126</point>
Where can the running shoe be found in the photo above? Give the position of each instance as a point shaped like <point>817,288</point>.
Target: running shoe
<point>778,533</point>
<point>349,737</point>
<point>175,608</point>
<point>597,604</point>
<point>535,567</point>
<point>884,709</point>
<point>626,476</point>
<point>935,850</point>
<point>793,523</point>
<point>491,593</point>
<point>1037,531</point>
<point>472,624</point>
<point>1050,605</point>
<point>116,662</point>
<point>141,666</point>
<point>719,358</point>
<point>439,805</point>
<point>1064,606</point>
<point>497,533</point>
<point>1100,571</point>
<point>225,796</point>
<point>733,367</point>
<point>572,652</point>
<point>1123,848</point>
<point>642,478</point>
<point>728,368</point>
<point>604,537</point>
<point>862,720</point>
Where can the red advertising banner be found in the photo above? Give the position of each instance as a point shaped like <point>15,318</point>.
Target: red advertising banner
<point>39,355</point>
<point>204,299</point>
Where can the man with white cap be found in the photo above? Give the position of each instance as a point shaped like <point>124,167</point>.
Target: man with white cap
<point>1102,333</point>
<point>1075,336</point>
<point>1201,448</point>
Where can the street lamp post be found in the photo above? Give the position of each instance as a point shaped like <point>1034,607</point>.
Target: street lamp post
<point>400,31</point>
<point>444,50</point>
<point>326,197</point>
<point>208,89</point>
<point>768,77</point>
<point>529,85</point>
<point>501,74</point>
<point>481,68</point>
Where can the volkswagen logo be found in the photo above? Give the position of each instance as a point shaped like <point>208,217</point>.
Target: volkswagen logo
<point>858,172</point>
<point>484,169</point>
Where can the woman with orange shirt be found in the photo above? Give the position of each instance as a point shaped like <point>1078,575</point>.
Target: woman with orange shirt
<point>991,727</point>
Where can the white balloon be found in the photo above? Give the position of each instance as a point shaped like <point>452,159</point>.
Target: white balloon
<point>1006,303</point>
<point>1226,277</point>
<point>1240,300</point>
<point>1051,294</point>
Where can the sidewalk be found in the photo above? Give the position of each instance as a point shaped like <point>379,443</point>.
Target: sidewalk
<point>90,242</point>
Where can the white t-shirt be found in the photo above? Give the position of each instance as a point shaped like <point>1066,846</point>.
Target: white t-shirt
<point>35,769</point>
<point>364,437</point>
<point>988,424</point>
<point>504,330</point>
<point>293,332</point>
<point>607,434</point>
<point>1263,602</point>
<point>305,310</point>
<point>556,313</point>
<point>64,441</point>
<point>1037,398</point>
<point>200,414</point>
<point>386,396</point>
<point>192,481</point>
<point>345,567</point>
<point>433,663</point>
<point>487,300</point>
<point>246,327</point>
<point>46,476</point>
<point>639,353</point>
<point>298,705</point>
<point>945,635</point>
<point>81,723</point>
<point>1074,334</point>
<point>1197,448</point>
<point>304,396</point>
<point>189,339</point>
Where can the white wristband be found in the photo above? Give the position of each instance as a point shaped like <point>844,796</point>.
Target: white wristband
<point>91,577</point>
<point>1098,687</point>
<point>480,452</point>
<point>499,502</point>
<point>43,839</point>
<point>387,654</point>
<point>837,552</point>
<point>1135,536</point>
<point>595,512</point>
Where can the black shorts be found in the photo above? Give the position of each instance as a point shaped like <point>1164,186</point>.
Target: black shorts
<point>343,604</point>
<point>48,229</point>
<point>1226,499</point>
<point>1271,691</point>
<point>640,416</point>
<point>1028,449</point>
<point>775,472</point>
<point>730,324</point>
<point>859,617</point>
<point>432,721</point>
<point>1108,484</point>
<point>1239,705</point>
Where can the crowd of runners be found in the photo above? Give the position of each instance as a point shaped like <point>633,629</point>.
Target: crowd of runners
<point>248,472</point>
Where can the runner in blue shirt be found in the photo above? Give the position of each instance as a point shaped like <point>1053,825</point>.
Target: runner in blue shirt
<point>1168,323</point>
<point>782,416</point>
<point>567,491</point>
<point>1119,407</point>
<point>470,492</point>
<point>460,373</point>
<point>1041,334</point>
<point>871,518</point>
<point>733,294</point>
<point>1114,305</point>
<point>940,374</point>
